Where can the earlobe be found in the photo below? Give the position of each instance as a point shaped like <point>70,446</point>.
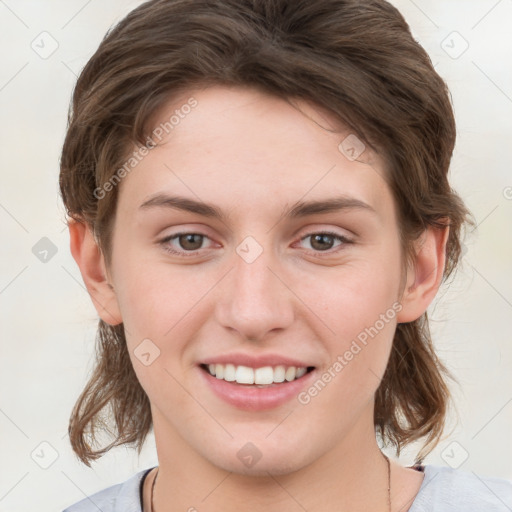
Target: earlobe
<point>91,263</point>
<point>424,279</point>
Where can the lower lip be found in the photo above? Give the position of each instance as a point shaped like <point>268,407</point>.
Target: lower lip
<point>252,398</point>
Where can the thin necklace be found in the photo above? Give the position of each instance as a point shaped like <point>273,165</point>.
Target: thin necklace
<point>389,485</point>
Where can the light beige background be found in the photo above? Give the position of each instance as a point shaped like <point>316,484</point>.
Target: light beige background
<point>48,321</point>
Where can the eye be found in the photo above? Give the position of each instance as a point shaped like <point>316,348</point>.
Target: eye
<point>323,241</point>
<point>189,242</point>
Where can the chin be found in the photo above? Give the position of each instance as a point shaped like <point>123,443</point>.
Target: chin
<point>274,466</point>
<point>261,457</point>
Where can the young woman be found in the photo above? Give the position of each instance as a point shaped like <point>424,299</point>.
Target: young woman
<point>260,210</point>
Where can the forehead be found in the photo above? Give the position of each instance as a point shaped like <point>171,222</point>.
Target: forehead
<point>243,149</point>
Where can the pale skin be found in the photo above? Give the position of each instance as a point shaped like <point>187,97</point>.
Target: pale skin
<point>253,156</point>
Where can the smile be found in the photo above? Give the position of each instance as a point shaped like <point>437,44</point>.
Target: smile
<point>264,376</point>
<point>256,389</point>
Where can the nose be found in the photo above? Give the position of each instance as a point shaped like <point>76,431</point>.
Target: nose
<point>254,298</point>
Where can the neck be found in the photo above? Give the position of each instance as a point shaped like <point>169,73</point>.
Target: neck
<point>352,475</point>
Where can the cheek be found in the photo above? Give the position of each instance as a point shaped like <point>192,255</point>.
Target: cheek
<point>358,356</point>
<point>156,325</point>
<point>148,293</point>
<point>160,306</point>
<point>354,297</point>
<point>358,303</point>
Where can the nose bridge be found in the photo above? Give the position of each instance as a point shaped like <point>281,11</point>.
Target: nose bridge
<point>256,300</point>
<point>254,281</point>
<point>252,271</point>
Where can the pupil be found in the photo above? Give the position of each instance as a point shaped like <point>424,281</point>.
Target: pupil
<point>190,239</point>
<point>321,237</point>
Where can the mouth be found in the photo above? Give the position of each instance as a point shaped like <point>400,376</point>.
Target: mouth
<point>262,377</point>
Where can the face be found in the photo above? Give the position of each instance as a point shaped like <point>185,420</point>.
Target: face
<point>238,275</point>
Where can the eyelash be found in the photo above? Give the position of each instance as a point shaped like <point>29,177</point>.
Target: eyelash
<point>185,254</point>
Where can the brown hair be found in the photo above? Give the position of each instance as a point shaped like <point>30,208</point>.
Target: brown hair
<point>355,58</point>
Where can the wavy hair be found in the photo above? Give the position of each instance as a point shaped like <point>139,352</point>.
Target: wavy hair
<point>357,59</point>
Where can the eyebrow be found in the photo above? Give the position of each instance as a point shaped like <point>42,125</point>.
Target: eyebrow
<point>298,210</point>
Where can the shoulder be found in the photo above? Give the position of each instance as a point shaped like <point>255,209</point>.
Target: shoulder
<point>451,490</point>
<point>122,497</point>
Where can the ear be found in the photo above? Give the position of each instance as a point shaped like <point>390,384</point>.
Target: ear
<point>91,262</point>
<point>424,279</point>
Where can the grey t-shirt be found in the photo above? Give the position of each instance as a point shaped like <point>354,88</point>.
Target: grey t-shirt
<point>443,490</point>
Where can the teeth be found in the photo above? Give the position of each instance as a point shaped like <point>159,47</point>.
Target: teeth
<point>243,375</point>
<point>229,372</point>
<point>279,373</point>
<point>300,372</point>
<point>291,371</point>
<point>266,375</point>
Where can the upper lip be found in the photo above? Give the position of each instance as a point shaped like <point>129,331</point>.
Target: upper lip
<point>251,361</point>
